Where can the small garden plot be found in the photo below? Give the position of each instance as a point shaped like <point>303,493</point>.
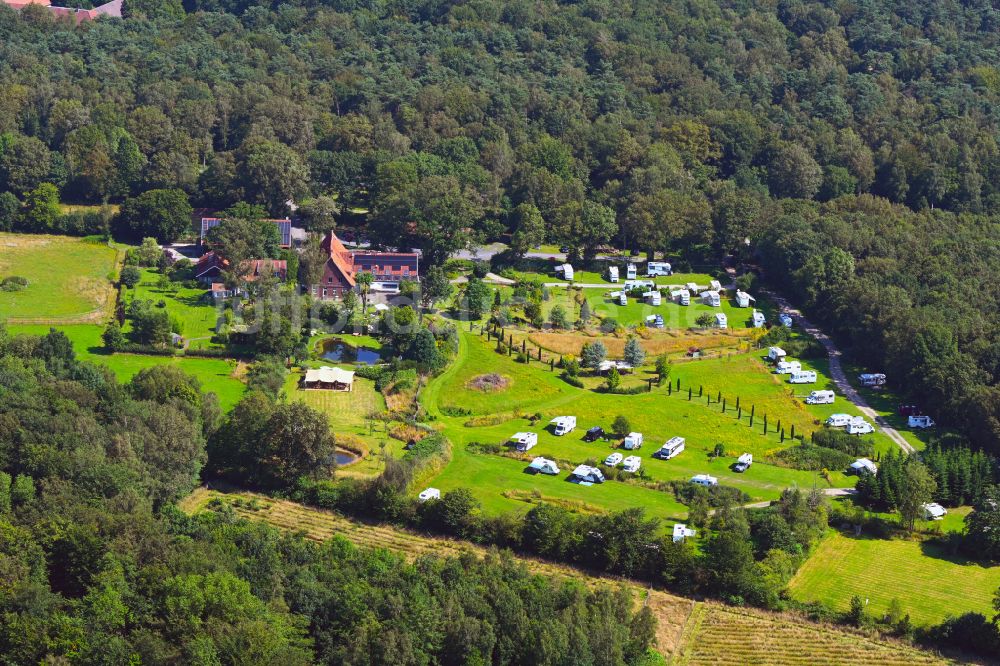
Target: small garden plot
<point>68,279</point>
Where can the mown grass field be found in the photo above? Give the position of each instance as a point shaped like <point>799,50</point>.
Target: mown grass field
<point>68,278</point>
<point>197,314</point>
<point>929,583</point>
<point>687,632</point>
<point>216,375</point>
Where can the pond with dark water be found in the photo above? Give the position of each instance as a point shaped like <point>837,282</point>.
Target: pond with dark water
<point>341,352</point>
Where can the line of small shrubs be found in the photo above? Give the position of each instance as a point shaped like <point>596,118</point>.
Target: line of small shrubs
<point>150,350</point>
<point>210,353</point>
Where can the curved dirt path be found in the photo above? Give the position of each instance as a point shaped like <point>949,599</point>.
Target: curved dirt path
<point>839,376</point>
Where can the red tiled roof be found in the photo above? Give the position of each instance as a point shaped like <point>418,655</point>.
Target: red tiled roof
<point>340,258</point>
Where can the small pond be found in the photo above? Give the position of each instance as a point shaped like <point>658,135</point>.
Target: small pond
<point>341,352</point>
<point>345,457</point>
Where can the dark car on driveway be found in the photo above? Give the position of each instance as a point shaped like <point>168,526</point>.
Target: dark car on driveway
<point>594,434</point>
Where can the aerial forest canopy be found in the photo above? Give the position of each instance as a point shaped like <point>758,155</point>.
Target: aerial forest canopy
<point>849,148</point>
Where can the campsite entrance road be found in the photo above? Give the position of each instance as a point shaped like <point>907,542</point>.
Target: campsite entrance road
<point>839,376</point>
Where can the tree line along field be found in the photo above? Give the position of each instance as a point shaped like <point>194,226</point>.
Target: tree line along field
<point>70,280</point>
<point>687,633</point>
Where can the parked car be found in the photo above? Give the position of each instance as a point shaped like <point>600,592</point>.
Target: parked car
<point>594,434</point>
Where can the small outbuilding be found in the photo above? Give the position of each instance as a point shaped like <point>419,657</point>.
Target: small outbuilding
<point>328,379</point>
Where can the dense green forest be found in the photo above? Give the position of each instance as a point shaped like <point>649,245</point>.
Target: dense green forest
<point>849,148</point>
<point>98,567</point>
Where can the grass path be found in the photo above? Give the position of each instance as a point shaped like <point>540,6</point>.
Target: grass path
<point>688,632</point>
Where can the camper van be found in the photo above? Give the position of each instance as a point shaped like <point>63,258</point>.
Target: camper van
<point>872,379</point>
<point>631,464</point>
<point>658,268</point>
<point>838,420</point>
<point>544,466</point>
<point>820,398</point>
<point>721,321</point>
<point>920,421</point>
<point>711,298</point>
<point>630,272</point>
<point>864,466</point>
<point>787,367</point>
<point>656,321</point>
<point>743,463</point>
<point>524,441</point>
<point>632,441</point>
<point>563,425</point>
<point>859,426</point>
<point>622,298</point>
<point>652,297</point>
<point>704,480</point>
<point>613,459</point>
<point>715,285</point>
<point>803,377</point>
<point>429,494</point>
<point>588,475</point>
<point>681,296</point>
<point>757,319</point>
<point>775,354</point>
<point>743,299</point>
<point>785,319</point>
<point>638,284</point>
<point>692,287</point>
<point>671,449</point>
<point>612,274</point>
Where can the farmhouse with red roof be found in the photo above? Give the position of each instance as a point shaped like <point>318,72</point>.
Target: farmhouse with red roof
<point>341,269</point>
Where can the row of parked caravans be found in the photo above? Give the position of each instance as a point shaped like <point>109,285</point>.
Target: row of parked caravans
<point>653,269</point>
<point>853,425</point>
<point>796,375</point>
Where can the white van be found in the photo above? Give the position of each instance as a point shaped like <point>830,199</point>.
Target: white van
<point>653,297</point>
<point>632,441</point>
<point>631,464</point>
<point>743,462</point>
<point>838,420</point>
<point>787,367</point>
<point>681,296</point>
<point>658,268</point>
<point>630,272</point>
<point>821,398</point>
<point>622,298</point>
<point>613,459</point>
<point>524,440</point>
<point>563,425</point>
<point>671,449</point>
<point>704,480</point>
<point>920,422</point>
<point>612,274</point>
<point>803,377</point>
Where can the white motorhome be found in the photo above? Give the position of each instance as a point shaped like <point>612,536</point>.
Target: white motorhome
<point>787,367</point>
<point>652,297</point>
<point>587,474</point>
<point>524,441</point>
<point>429,494</point>
<point>711,298</point>
<point>743,462</point>
<point>859,426</point>
<point>704,480</point>
<point>820,398</point>
<point>638,284</point>
<point>622,298</point>
<point>743,299</point>
<point>692,287</point>
<point>803,377</point>
<point>631,464</point>
<point>544,466</point>
<point>920,421</point>
<point>721,321</point>
<point>838,420</point>
<point>671,449</point>
<point>871,379</point>
<point>632,441</point>
<point>658,268</point>
<point>864,466</point>
<point>612,274</point>
<point>715,285</point>
<point>758,319</point>
<point>563,425</point>
<point>775,354</point>
<point>566,270</point>
<point>613,459</point>
<point>630,272</point>
<point>933,511</point>
<point>681,296</point>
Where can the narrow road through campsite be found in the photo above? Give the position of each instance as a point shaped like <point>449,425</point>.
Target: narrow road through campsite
<point>838,374</point>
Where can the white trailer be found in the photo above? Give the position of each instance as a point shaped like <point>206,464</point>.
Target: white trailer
<point>743,299</point>
<point>587,474</point>
<point>567,271</point>
<point>775,354</point>
<point>681,296</point>
<point>872,379</point>
<point>613,459</point>
<point>758,319</point>
<point>612,274</point>
<point>864,466</point>
<point>622,298</point>
<point>563,425</point>
<point>803,377</point>
<point>671,449</point>
<point>544,466</point>
<point>429,494</point>
<point>704,480</point>
<point>787,367</point>
<point>711,298</point>
<point>859,426</point>
<point>721,321</point>
<point>658,268</point>
<point>652,297</point>
<point>631,464</point>
<point>920,421</point>
<point>630,272</point>
<point>639,284</point>
<point>821,398</point>
<point>632,441</point>
<point>838,420</point>
<point>715,285</point>
<point>743,462</point>
<point>692,287</point>
<point>524,441</point>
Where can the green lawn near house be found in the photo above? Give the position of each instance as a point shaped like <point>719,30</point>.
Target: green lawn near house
<point>216,375</point>
<point>192,307</point>
<point>69,279</point>
<point>929,583</point>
